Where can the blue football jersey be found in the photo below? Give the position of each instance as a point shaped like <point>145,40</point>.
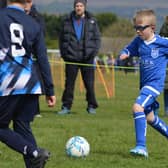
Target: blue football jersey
<point>153,60</point>
<point>21,39</point>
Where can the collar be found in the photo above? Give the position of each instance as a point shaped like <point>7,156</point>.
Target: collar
<point>151,41</point>
<point>15,7</point>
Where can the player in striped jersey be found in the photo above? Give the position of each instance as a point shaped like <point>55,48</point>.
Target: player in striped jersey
<point>20,81</point>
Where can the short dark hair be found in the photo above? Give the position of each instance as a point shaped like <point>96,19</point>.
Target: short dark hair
<point>84,2</point>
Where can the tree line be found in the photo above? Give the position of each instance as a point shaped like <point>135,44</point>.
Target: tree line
<point>106,21</point>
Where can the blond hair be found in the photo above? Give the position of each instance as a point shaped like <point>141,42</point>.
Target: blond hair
<point>147,15</point>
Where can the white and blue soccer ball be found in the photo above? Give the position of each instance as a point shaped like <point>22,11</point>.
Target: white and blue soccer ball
<point>77,146</point>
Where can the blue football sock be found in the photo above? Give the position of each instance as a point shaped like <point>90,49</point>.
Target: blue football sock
<point>160,126</point>
<point>140,128</point>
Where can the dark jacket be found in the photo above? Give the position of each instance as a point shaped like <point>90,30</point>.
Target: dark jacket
<point>79,51</point>
<point>164,33</point>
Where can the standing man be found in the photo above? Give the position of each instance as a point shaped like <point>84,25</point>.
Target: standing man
<point>79,43</point>
<point>20,84</point>
<point>164,32</point>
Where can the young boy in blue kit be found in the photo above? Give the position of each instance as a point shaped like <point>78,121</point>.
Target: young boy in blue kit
<point>152,51</point>
<point>21,83</point>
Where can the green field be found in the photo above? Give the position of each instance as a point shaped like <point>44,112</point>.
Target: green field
<point>110,132</point>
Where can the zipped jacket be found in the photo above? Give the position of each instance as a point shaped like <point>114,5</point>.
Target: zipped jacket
<point>74,50</point>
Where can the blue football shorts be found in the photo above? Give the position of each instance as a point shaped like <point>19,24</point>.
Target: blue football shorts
<point>18,107</point>
<point>147,99</point>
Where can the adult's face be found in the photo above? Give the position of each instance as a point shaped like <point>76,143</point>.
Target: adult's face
<point>79,9</point>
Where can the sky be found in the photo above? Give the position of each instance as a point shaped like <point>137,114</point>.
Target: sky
<point>135,3</point>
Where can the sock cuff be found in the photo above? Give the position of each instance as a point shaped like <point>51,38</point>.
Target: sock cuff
<point>139,115</point>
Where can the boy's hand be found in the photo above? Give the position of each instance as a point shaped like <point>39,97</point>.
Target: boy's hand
<point>123,56</point>
<point>51,101</point>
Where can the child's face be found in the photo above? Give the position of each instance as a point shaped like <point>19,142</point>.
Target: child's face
<point>28,6</point>
<point>144,30</point>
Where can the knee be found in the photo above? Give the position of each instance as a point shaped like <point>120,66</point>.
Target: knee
<point>150,118</point>
<point>137,108</point>
<point>21,125</point>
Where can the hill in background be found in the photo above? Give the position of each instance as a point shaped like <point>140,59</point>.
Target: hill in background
<point>107,3</point>
<point>121,8</point>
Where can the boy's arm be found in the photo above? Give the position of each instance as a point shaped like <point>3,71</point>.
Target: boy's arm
<point>123,56</point>
<point>44,66</point>
<point>130,50</point>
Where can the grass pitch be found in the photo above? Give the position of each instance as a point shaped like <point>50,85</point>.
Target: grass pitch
<point>110,132</point>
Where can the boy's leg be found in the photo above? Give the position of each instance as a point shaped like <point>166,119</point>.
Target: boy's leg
<point>13,139</point>
<point>143,105</point>
<point>144,100</point>
<point>16,142</point>
<point>140,130</point>
<point>24,129</point>
<point>21,123</point>
<point>8,136</point>
<point>160,126</point>
<point>155,121</point>
<point>33,156</point>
